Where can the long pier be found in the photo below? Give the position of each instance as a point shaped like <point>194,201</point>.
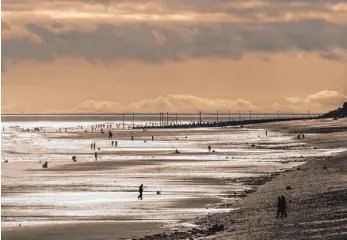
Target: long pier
<point>220,123</point>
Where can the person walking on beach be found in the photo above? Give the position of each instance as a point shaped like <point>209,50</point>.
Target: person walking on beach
<point>91,146</point>
<point>115,143</point>
<point>279,206</point>
<point>266,133</point>
<point>96,156</point>
<point>152,138</point>
<point>283,207</point>
<point>140,191</point>
<point>209,148</point>
<point>112,143</point>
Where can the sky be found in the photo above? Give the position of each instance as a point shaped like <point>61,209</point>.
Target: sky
<point>107,56</point>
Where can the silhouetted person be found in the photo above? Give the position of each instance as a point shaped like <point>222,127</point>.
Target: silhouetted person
<point>96,156</point>
<point>266,133</point>
<point>94,145</point>
<point>45,165</point>
<point>176,152</point>
<point>74,159</point>
<point>140,191</point>
<point>302,136</point>
<point>209,148</point>
<point>91,146</point>
<point>132,138</point>
<point>116,143</point>
<point>152,138</point>
<point>109,134</point>
<point>279,206</point>
<point>112,143</point>
<point>283,207</point>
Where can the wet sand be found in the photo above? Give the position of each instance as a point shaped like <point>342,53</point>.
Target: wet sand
<point>83,231</point>
<point>316,200</point>
<point>254,215</point>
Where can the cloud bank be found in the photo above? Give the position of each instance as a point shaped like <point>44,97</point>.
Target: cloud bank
<point>319,102</point>
<point>155,31</point>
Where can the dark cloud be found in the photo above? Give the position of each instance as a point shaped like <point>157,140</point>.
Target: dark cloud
<point>178,41</point>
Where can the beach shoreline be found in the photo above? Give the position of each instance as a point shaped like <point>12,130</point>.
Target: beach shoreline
<point>313,187</point>
<point>206,226</point>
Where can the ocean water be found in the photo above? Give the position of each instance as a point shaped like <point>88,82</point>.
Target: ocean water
<point>107,191</point>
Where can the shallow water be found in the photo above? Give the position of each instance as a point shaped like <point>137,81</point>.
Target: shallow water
<point>187,181</point>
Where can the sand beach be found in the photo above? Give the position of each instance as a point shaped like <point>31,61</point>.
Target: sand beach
<point>235,186</point>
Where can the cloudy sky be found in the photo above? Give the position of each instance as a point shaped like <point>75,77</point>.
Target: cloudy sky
<point>174,55</point>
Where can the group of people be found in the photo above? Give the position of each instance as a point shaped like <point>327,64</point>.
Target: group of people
<point>301,136</point>
<point>101,126</point>
<point>92,146</point>
<point>114,143</point>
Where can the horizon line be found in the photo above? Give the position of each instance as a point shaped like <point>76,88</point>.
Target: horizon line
<point>165,113</point>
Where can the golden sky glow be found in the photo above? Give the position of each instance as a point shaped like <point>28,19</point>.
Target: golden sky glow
<point>174,55</point>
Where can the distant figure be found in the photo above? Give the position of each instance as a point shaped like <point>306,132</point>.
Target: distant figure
<point>96,156</point>
<point>279,206</point>
<point>116,143</point>
<point>91,146</point>
<point>266,133</point>
<point>74,158</point>
<point>283,207</point>
<point>302,136</point>
<point>140,191</point>
<point>102,131</point>
<point>110,134</point>
<point>152,138</point>
<point>94,145</point>
<point>112,143</point>
<point>6,161</point>
<point>132,138</point>
<point>45,165</point>
<point>299,136</point>
<point>3,129</point>
<point>209,148</point>
<point>176,152</point>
